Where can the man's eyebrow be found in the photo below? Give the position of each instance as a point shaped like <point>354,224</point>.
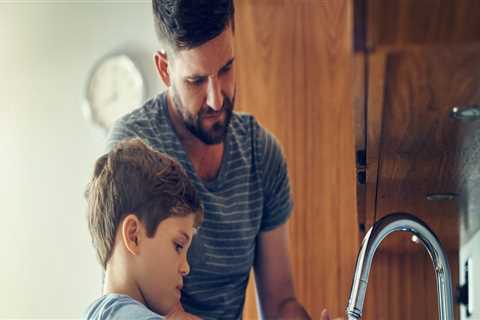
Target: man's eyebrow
<point>201,76</point>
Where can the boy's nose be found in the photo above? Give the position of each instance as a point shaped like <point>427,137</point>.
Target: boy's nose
<point>214,94</point>
<point>185,268</point>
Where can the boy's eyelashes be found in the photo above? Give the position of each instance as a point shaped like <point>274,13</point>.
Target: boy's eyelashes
<point>178,246</point>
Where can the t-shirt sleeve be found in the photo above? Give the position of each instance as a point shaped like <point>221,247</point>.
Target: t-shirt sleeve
<point>278,202</point>
<point>134,310</point>
<point>120,307</point>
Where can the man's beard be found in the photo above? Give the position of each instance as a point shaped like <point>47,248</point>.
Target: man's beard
<point>216,133</point>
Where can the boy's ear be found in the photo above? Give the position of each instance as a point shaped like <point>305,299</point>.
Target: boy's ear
<point>162,65</point>
<point>132,233</point>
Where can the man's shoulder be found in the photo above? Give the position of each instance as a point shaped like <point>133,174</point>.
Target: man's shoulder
<point>147,122</point>
<point>149,111</point>
<point>119,306</point>
<point>248,126</point>
<point>245,124</point>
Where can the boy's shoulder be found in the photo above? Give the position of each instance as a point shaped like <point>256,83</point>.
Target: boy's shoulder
<point>114,306</point>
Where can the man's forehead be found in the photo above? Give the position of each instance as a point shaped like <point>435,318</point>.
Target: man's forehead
<point>207,58</point>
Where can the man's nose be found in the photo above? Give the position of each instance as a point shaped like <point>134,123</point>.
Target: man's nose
<point>214,94</point>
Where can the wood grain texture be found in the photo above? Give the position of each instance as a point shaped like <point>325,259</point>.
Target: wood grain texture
<point>421,150</point>
<point>250,311</point>
<point>359,115</point>
<point>375,101</point>
<point>420,142</point>
<point>359,87</point>
<point>392,23</point>
<point>403,285</point>
<point>423,58</point>
<point>294,68</point>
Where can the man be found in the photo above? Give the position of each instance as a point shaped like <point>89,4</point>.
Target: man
<point>236,165</point>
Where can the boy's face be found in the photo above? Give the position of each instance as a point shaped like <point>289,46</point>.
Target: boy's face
<point>163,263</point>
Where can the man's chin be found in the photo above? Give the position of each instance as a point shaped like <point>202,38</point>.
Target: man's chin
<point>213,138</point>
<point>215,134</point>
<point>218,119</point>
<point>212,141</point>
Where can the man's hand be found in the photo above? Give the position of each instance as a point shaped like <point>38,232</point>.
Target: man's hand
<point>291,309</point>
<point>178,313</point>
<point>326,316</point>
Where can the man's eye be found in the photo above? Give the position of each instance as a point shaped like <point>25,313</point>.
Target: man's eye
<point>197,82</point>
<point>225,70</point>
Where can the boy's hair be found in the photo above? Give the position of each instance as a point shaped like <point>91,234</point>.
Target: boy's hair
<point>135,179</point>
<point>186,24</point>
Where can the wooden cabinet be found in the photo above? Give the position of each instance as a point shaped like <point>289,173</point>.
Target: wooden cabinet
<point>331,77</point>
<point>414,145</point>
<point>294,74</point>
<point>394,23</point>
<point>415,61</point>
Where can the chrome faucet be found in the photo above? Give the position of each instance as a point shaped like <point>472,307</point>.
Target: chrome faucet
<point>371,241</point>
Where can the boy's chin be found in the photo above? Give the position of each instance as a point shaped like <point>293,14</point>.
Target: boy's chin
<point>175,310</point>
<point>166,308</point>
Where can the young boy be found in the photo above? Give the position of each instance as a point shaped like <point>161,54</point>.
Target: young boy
<point>142,214</point>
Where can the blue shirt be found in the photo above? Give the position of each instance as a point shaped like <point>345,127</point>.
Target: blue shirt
<point>251,194</point>
<point>114,306</point>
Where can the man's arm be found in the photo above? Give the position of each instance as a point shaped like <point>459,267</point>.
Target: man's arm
<point>273,277</point>
<point>272,267</point>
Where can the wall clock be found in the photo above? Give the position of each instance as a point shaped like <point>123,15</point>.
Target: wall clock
<point>114,88</point>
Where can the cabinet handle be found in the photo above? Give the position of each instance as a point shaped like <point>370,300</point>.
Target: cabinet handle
<point>469,113</point>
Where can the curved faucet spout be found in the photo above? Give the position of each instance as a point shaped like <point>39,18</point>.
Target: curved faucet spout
<point>373,238</point>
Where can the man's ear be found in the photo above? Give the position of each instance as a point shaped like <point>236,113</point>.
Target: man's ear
<point>132,233</point>
<point>162,65</point>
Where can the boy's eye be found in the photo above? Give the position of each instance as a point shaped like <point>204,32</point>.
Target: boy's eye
<point>178,247</point>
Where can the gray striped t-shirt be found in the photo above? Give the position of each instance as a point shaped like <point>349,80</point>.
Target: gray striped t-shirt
<point>250,194</point>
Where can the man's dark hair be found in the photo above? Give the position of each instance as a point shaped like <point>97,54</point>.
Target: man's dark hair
<point>187,24</point>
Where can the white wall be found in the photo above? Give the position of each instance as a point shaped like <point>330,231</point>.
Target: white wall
<point>47,149</point>
<point>470,250</point>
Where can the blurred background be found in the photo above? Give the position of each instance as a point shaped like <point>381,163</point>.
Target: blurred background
<point>48,268</point>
